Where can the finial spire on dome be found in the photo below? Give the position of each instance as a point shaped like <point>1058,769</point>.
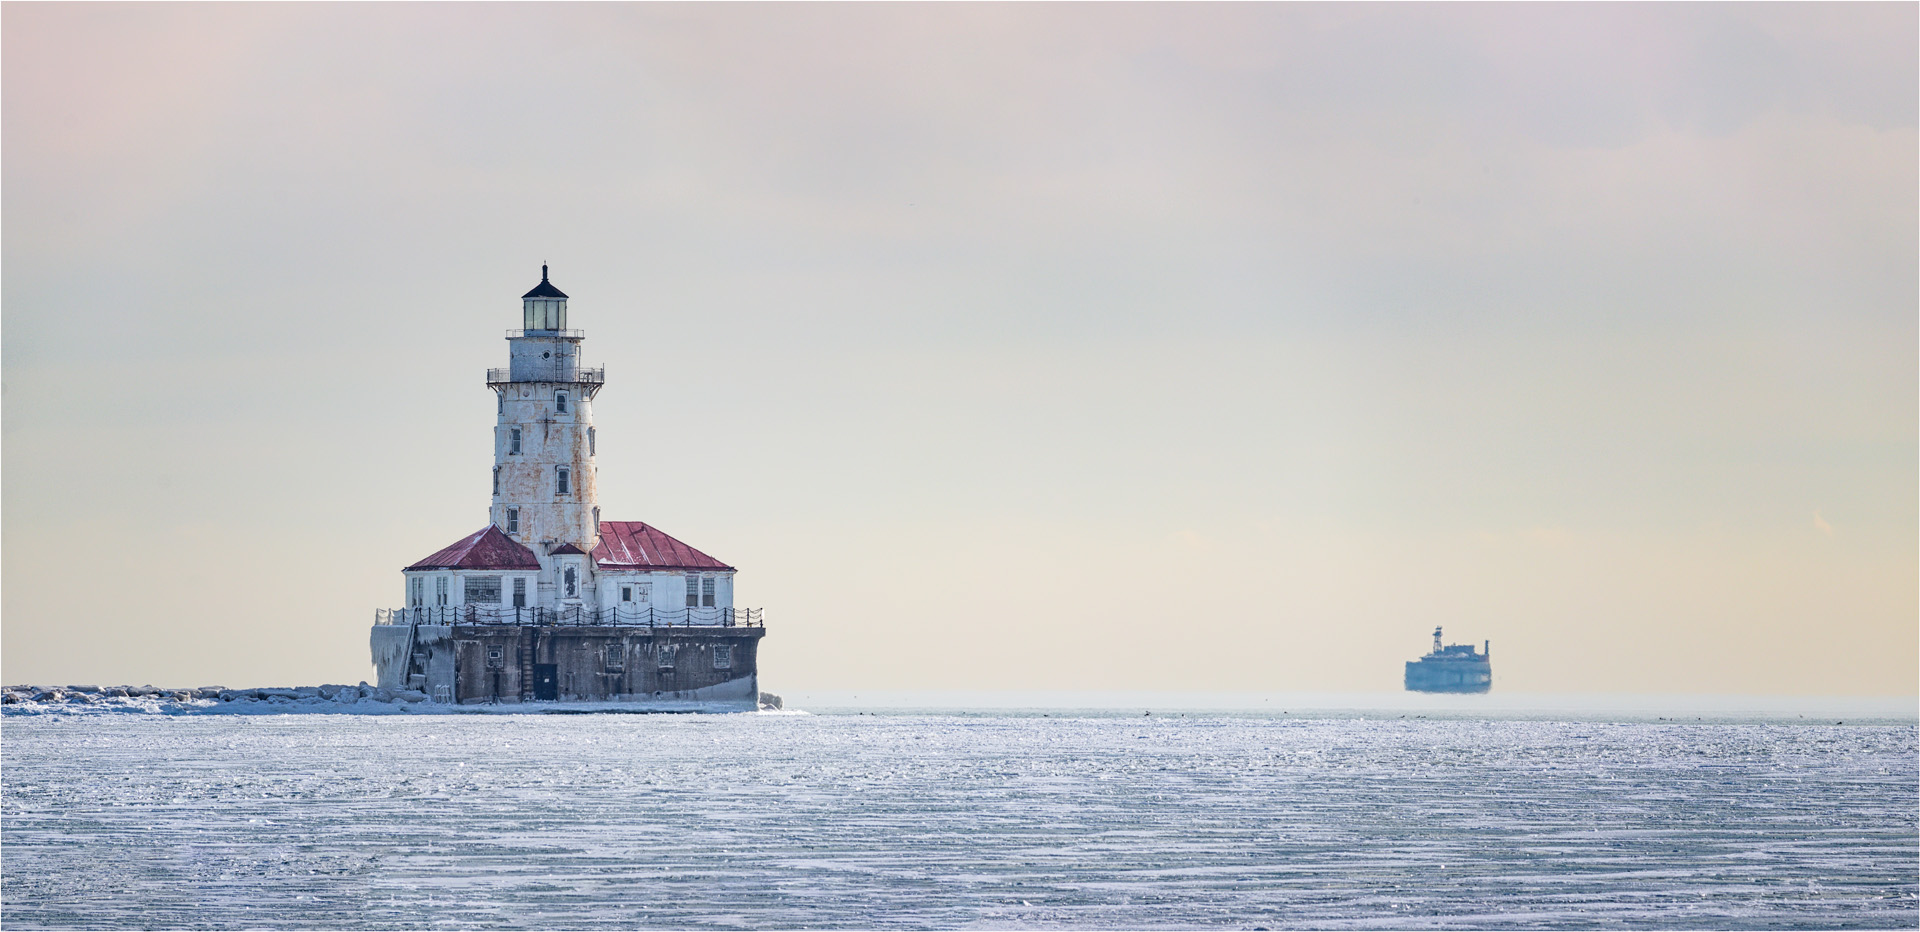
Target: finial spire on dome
<point>545,289</point>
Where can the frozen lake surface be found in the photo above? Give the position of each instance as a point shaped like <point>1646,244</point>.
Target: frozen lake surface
<point>1003,819</point>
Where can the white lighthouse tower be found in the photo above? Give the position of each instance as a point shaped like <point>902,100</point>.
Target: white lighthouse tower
<point>544,477</point>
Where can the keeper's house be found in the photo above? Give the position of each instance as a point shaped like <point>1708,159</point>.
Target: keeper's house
<point>548,602</point>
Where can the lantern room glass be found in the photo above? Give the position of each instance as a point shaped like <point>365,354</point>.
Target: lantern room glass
<point>545,313</point>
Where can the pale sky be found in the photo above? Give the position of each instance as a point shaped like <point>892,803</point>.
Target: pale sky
<point>1225,347</point>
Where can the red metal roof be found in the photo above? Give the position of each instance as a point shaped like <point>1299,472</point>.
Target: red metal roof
<point>638,545</point>
<point>486,549</point>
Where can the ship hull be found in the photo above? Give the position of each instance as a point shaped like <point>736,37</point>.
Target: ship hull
<point>1453,676</point>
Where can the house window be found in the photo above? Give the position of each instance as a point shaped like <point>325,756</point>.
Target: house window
<point>483,589</point>
<point>706,591</point>
<point>572,578</point>
<point>513,520</point>
<point>693,590</point>
<point>519,592</point>
<point>416,592</point>
<point>626,593</point>
<point>723,658</point>
<point>513,441</point>
<point>439,590</point>
<point>562,483</point>
<point>560,402</point>
<point>590,441</point>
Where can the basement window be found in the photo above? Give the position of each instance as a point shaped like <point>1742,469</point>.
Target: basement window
<point>723,658</point>
<point>616,656</point>
<point>513,520</point>
<point>519,592</point>
<point>513,442</point>
<point>483,589</point>
<point>563,480</point>
<point>666,658</point>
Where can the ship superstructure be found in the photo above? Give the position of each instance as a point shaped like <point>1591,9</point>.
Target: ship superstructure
<point>1452,668</point>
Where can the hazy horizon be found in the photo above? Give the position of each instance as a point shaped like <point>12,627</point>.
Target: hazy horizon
<point>1220,348</point>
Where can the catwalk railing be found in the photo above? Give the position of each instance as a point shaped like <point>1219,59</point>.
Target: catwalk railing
<point>623,615</point>
<point>571,374</point>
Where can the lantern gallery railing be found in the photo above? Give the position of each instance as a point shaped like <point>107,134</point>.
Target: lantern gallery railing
<point>625,615</point>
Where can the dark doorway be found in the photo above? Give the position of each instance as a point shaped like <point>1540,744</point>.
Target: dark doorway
<point>546,681</point>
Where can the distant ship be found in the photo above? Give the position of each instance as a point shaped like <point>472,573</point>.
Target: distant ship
<point>1454,668</point>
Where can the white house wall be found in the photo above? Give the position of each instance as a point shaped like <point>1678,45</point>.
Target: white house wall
<point>669,588</point>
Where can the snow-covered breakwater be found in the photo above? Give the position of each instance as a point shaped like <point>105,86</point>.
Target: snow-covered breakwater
<point>153,700</point>
<point>355,700</point>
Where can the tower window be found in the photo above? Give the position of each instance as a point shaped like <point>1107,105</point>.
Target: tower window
<point>590,450</point>
<point>513,520</point>
<point>513,442</point>
<point>563,480</point>
<point>596,520</point>
<point>572,578</point>
<point>496,480</point>
<point>503,403</point>
<point>560,402</point>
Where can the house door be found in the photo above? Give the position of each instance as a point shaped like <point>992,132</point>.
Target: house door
<point>546,681</point>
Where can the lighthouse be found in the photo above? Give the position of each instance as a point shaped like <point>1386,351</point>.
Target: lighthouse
<point>549,602</point>
<point>545,493</point>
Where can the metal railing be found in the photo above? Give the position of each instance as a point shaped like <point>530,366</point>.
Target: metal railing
<point>626,614</point>
<point>579,374</point>
<point>563,334</point>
